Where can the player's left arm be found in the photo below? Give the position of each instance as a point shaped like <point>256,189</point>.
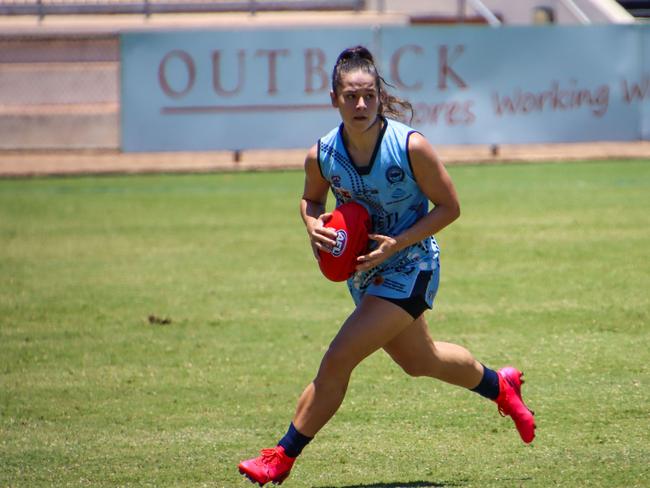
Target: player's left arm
<point>434,181</point>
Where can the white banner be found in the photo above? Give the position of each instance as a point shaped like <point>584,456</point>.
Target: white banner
<point>210,90</point>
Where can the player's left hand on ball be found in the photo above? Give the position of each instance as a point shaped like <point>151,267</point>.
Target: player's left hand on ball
<point>385,249</point>
<point>321,237</point>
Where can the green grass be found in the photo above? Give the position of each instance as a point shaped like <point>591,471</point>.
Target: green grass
<point>548,268</point>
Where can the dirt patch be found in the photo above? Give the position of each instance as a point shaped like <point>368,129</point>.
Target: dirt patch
<point>41,163</point>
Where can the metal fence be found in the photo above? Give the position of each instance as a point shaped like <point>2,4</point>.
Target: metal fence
<point>42,8</point>
<point>59,92</point>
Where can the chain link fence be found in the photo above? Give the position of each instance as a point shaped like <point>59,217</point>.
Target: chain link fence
<point>59,92</point>
<point>148,7</point>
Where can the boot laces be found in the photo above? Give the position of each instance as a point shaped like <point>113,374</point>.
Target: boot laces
<point>511,389</point>
<point>271,456</point>
<point>503,407</point>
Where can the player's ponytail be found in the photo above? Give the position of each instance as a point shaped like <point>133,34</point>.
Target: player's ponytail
<point>360,58</point>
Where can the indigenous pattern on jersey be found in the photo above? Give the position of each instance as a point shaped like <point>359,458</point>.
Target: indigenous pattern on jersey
<point>387,188</point>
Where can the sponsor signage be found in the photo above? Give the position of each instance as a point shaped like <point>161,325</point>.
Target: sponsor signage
<point>210,90</point>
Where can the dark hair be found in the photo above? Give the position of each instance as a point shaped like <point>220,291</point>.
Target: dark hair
<point>360,58</point>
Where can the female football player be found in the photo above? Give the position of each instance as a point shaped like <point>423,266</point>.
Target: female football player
<point>393,171</point>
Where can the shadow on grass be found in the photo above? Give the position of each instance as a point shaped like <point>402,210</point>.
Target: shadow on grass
<point>399,484</point>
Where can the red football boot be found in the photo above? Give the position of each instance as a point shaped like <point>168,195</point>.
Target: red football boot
<point>510,403</point>
<point>273,465</point>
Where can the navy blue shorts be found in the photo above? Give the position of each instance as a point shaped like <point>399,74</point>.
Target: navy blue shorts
<point>416,304</point>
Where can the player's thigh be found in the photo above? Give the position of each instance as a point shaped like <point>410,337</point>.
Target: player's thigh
<point>413,349</point>
<point>373,324</point>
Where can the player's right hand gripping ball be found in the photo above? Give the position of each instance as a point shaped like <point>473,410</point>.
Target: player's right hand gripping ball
<point>351,221</point>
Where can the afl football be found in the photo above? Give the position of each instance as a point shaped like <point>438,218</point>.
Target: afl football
<point>351,221</point>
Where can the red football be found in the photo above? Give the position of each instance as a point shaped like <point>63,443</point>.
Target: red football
<point>351,221</point>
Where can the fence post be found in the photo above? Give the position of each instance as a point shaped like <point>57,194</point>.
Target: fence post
<point>460,11</point>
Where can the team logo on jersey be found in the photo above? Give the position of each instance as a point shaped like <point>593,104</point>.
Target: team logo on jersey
<point>394,174</point>
<point>344,194</point>
<point>336,181</point>
<point>341,241</point>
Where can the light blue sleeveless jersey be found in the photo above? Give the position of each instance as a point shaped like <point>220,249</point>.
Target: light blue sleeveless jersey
<point>387,188</point>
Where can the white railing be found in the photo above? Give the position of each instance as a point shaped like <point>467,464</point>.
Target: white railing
<point>576,11</point>
<point>498,12</point>
<point>484,12</point>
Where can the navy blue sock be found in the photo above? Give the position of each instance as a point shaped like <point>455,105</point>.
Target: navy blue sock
<point>294,442</point>
<point>489,385</point>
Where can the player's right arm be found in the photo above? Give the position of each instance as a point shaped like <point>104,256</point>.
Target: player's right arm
<point>312,205</point>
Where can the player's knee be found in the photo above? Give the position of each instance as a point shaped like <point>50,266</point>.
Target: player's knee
<point>336,366</point>
<point>418,366</point>
<point>415,369</point>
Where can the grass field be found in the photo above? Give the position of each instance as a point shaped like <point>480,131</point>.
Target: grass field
<point>548,268</point>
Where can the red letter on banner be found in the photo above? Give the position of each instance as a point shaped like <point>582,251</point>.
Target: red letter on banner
<point>444,69</point>
<point>314,62</point>
<point>189,66</point>
<point>216,73</point>
<point>394,67</point>
<point>273,57</point>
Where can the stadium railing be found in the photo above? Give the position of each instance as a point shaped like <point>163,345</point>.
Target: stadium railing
<point>42,8</point>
